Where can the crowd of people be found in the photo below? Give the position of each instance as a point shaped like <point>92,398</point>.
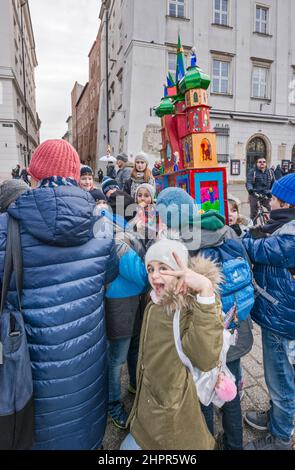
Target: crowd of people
<point>108,270</point>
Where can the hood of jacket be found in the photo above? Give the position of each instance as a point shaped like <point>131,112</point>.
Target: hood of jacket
<point>61,216</point>
<point>200,265</point>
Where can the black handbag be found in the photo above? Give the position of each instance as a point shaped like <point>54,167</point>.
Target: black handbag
<point>16,383</point>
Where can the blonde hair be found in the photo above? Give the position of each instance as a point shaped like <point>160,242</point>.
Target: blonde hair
<point>235,205</point>
<point>147,174</point>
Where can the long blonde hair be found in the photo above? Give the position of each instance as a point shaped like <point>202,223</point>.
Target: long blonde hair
<point>147,174</point>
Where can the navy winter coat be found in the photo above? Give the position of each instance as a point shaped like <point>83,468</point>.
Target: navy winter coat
<point>272,258</point>
<point>65,270</point>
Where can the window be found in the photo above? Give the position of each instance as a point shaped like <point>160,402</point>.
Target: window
<point>220,77</point>
<point>235,167</point>
<point>221,12</point>
<point>292,88</point>
<point>176,8</point>
<point>121,38</point>
<point>120,90</point>
<point>260,80</point>
<point>261,20</point>
<point>222,140</point>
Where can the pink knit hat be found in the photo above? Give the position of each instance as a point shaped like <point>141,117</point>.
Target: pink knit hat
<point>55,158</point>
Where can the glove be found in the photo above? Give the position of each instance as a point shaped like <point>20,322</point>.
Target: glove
<point>251,191</point>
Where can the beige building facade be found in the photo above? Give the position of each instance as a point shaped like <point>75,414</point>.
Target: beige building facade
<point>19,121</point>
<point>247,47</point>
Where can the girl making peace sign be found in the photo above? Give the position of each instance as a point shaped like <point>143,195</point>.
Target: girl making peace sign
<point>166,414</point>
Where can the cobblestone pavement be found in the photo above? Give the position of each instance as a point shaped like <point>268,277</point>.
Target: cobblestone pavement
<point>255,396</point>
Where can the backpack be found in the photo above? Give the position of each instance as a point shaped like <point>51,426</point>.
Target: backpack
<point>216,386</point>
<point>16,383</point>
<point>237,288</point>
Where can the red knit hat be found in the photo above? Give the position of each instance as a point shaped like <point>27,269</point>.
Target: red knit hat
<point>55,158</point>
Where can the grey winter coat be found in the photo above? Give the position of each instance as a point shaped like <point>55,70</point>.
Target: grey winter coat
<point>123,175</point>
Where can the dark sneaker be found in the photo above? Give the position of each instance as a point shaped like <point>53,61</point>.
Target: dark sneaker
<point>118,414</point>
<point>269,442</point>
<point>257,419</point>
<point>131,389</point>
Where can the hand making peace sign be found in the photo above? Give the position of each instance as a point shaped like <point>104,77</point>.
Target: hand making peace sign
<point>189,279</point>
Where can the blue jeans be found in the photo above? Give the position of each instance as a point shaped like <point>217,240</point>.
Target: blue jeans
<point>231,415</point>
<point>120,351</point>
<point>129,443</point>
<point>279,378</point>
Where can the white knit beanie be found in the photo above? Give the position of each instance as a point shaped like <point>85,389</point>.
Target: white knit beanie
<point>149,187</point>
<point>142,156</point>
<point>162,251</point>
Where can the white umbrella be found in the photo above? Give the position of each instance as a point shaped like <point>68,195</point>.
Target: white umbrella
<point>108,158</point>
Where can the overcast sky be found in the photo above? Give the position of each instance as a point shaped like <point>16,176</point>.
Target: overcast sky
<point>64,33</point>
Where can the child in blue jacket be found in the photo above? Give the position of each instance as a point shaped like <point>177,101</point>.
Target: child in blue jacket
<point>123,307</point>
<point>272,252</point>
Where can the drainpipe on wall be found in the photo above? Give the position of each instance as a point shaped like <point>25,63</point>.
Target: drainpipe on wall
<point>27,156</point>
<point>107,75</point>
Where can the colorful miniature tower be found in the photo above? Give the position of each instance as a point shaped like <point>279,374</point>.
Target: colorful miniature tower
<point>189,145</point>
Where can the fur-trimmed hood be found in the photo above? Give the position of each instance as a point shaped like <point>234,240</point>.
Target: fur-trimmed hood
<point>200,265</point>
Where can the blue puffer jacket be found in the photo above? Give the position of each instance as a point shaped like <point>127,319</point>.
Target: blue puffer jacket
<point>272,257</point>
<point>132,278</point>
<point>65,270</point>
<point>123,294</point>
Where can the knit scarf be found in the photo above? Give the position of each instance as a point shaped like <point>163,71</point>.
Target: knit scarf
<point>55,181</point>
<point>139,177</point>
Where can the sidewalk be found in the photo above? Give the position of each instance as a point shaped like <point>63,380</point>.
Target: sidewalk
<point>255,396</point>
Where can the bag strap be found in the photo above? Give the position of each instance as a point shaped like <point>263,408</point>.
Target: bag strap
<point>13,262</point>
<point>260,291</point>
<point>184,359</point>
<point>17,259</point>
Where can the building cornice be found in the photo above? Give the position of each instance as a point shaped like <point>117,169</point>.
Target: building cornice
<point>139,43</point>
<point>248,117</point>
<point>227,54</point>
<point>264,61</point>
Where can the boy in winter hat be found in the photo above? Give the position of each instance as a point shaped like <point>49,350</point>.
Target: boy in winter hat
<point>166,414</point>
<point>271,249</point>
<point>86,178</point>
<point>98,195</point>
<point>109,186</point>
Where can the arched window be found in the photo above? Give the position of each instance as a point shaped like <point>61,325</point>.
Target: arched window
<point>256,149</point>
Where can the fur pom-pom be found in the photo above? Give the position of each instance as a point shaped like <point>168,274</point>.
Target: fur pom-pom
<point>225,388</point>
